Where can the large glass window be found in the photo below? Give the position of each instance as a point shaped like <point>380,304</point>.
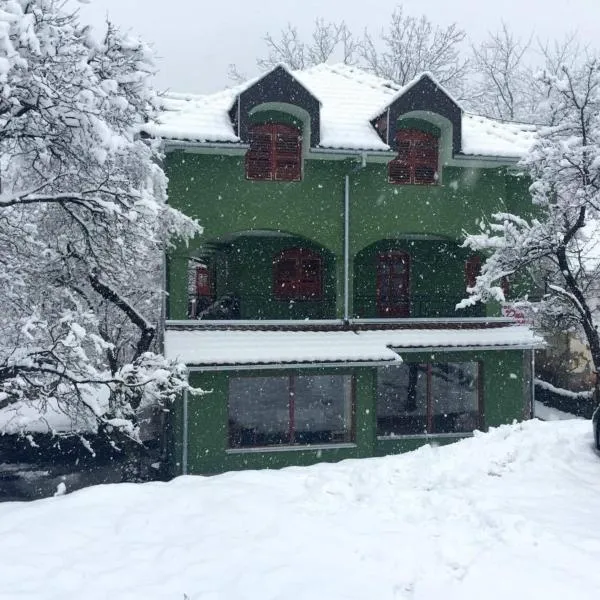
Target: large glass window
<point>427,398</point>
<point>295,409</point>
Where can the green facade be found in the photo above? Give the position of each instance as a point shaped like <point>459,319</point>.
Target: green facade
<point>503,374</point>
<point>240,218</point>
<point>247,224</point>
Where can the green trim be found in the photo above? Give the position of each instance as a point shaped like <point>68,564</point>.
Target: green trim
<point>261,117</point>
<point>420,124</point>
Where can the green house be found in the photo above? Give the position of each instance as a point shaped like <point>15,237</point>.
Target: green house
<point>318,310</point>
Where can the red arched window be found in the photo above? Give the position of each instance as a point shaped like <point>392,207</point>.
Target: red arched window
<point>275,153</point>
<point>297,275</point>
<point>417,160</point>
<point>472,270</point>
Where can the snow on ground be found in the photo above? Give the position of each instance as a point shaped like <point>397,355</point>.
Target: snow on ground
<point>548,413</point>
<point>509,514</point>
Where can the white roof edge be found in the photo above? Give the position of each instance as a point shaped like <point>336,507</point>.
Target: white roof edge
<point>279,65</point>
<point>408,86</point>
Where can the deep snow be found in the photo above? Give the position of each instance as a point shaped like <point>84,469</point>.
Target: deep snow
<point>509,514</point>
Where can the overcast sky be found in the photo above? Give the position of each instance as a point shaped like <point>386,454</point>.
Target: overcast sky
<point>196,40</point>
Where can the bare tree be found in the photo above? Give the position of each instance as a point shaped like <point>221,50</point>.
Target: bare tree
<point>558,245</point>
<point>327,39</point>
<point>409,46</point>
<point>505,68</point>
<point>502,80</point>
<point>413,45</point>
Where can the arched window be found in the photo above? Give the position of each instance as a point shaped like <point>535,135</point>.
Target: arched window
<point>472,270</point>
<point>297,275</point>
<point>275,153</point>
<point>417,160</point>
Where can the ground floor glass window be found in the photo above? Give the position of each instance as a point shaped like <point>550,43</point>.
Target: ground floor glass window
<point>428,398</point>
<point>290,410</point>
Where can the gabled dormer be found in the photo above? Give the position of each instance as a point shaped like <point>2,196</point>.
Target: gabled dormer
<point>424,99</point>
<point>280,91</point>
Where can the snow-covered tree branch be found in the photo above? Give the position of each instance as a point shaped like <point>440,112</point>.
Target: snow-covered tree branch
<point>83,218</point>
<point>556,248</point>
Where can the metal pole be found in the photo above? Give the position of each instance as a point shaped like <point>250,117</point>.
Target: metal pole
<point>184,450</point>
<point>532,392</point>
<point>346,246</point>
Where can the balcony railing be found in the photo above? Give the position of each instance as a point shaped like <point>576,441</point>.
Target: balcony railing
<point>420,306</point>
<point>258,307</point>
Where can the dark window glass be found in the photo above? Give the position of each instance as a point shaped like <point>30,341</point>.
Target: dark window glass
<point>402,399</point>
<point>258,411</point>
<point>454,397</point>
<point>415,398</point>
<point>323,409</point>
<point>307,409</point>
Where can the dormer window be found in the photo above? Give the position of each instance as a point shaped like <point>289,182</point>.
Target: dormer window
<point>417,160</point>
<point>275,153</point>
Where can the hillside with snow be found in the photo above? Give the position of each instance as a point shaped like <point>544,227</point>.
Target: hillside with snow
<point>508,514</point>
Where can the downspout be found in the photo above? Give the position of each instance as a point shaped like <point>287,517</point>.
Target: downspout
<point>184,449</point>
<point>361,165</point>
<point>346,247</point>
<point>532,383</point>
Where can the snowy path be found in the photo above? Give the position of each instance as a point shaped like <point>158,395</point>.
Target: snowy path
<point>510,514</point>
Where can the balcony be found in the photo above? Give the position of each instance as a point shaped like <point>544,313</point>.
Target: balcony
<point>259,307</point>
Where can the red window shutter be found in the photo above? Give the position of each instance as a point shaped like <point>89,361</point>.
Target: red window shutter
<point>393,284</point>
<point>398,171</point>
<point>275,153</point>
<point>259,160</point>
<point>505,285</point>
<point>417,160</point>
<point>472,270</point>
<point>203,281</point>
<point>297,275</point>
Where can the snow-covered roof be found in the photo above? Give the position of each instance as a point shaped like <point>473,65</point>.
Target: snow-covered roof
<point>489,137</point>
<point>237,347</point>
<point>350,99</point>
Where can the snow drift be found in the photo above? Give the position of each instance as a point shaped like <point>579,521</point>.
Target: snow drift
<point>508,514</point>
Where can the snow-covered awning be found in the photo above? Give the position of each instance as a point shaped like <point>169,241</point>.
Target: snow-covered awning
<point>256,347</point>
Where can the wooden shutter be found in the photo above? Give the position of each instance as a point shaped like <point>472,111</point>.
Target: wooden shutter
<point>417,160</point>
<point>472,270</point>
<point>259,160</point>
<point>203,281</point>
<point>288,153</point>
<point>275,153</point>
<point>393,284</point>
<point>297,275</point>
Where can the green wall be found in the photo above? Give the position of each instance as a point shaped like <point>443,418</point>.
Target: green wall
<point>213,189</point>
<point>249,276</point>
<point>502,373</point>
<point>437,271</point>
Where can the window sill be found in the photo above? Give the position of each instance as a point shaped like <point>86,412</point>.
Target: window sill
<point>303,448</point>
<point>423,436</point>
